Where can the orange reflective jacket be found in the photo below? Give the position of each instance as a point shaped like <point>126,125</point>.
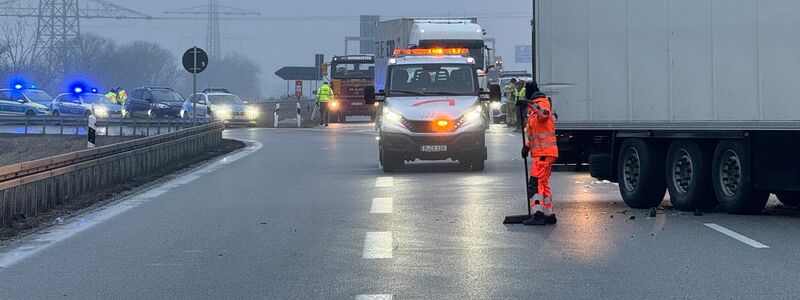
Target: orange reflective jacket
<point>541,129</point>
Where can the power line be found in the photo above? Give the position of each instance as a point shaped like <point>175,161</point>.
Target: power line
<point>213,11</point>
<point>58,34</point>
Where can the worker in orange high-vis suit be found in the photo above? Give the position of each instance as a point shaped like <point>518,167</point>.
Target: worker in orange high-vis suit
<point>541,145</point>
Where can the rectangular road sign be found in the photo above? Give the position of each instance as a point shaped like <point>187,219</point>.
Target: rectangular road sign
<point>523,54</point>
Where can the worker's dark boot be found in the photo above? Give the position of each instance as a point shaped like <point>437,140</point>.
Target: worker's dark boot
<point>537,219</point>
<point>551,219</point>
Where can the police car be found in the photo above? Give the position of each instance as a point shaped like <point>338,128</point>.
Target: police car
<point>22,101</point>
<point>80,103</point>
<point>224,106</point>
<point>432,109</point>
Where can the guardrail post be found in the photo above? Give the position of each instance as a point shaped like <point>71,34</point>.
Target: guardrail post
<point>299,119</point>
<point>277,111</point>
<point>26,124</point>
<point>159,127</point>
<point>149,123</point>
<point>61,124</point>
<point>44,125</point>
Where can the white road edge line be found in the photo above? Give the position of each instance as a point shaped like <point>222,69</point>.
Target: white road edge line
<point>751,242</point>
<point>375,297</point>
<point>384,181</point>
<point>511,135</point>
<point>381,205</point>
<point>378,245</point>
<point>56,234</point>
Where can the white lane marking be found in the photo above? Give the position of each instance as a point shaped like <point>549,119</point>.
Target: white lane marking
<point>378,245</point>
<point>56,234</point>
<point>384,182</point>
<point>511,135</point>
<point>375,297</point>
<point>382,205</point>
<point>736,236</point>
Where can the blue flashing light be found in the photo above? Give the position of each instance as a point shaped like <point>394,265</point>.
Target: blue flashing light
<point>78,90</point>
<point>95,90</point>
<point>33,86</point>
<point>18,86</point>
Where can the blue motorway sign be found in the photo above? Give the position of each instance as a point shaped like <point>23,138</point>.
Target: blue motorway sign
<point>523,54</point>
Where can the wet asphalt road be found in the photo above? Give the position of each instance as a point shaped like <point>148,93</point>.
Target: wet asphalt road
<point>295,219</point>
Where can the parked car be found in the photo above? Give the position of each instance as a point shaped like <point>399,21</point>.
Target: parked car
<point>85,104</point>
<point>153,102</point>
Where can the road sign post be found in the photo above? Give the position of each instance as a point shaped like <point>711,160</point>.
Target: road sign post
<point>298,94</point>
<point>195,60</point>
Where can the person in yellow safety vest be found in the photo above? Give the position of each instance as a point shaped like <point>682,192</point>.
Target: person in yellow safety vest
<point>324,96</point>
<point>122,96</point>
<point>117,96</point>
<point>520,96</point>
<point>510,91</point>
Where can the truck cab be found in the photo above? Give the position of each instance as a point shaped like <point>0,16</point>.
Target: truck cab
<point>431,109</point>
<point>349,75</point>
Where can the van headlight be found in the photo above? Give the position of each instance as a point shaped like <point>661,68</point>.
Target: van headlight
<point>496,105</point>
<point>475,115</point>
<point>391,116</point>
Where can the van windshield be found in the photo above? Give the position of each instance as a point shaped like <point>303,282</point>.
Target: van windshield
<point>422,80</point>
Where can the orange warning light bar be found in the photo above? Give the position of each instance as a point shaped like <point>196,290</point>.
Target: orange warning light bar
<point>432,51</point>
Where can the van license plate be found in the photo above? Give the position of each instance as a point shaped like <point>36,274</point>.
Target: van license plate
<point>434,148</point>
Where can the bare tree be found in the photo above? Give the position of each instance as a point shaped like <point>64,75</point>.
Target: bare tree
<point>17,46</point>
<point>236,72</point>
<point>145,63</point>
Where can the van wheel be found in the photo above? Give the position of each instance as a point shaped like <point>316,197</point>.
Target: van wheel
<point>731,178</point>
<point>789,198</point>
<point>687,171</point>
<point>390,162</point>
<point>641,173</point>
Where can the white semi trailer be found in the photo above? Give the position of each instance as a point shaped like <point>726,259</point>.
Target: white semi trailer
<point>700,98</point>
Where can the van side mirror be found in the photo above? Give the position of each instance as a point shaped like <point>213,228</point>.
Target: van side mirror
<point>370,96</point>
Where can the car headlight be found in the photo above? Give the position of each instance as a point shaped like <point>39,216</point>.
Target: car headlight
<point>391,116</point>
<point>42,109</point>
<point>334,105</point>
<point>162,106</point>
<point>252,112</point>
<point>496,105</point>
<point>100,111</point>
<point>223,113</point>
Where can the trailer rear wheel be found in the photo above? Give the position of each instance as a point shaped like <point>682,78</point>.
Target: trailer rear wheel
<point>688,174</point>
<point>600,166</point>
<point>731,178</point>
<point>789,198</point>
<point>641,173</point>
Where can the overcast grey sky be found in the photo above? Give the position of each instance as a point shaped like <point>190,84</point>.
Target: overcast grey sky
<point>274,44</point>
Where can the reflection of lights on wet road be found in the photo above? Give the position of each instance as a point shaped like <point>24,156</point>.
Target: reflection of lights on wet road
<point>582,232</point>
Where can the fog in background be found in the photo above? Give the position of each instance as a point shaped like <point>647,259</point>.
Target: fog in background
<point>293,42</point>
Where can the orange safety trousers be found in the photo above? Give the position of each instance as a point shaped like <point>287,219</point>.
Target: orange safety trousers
<point>542,169</point>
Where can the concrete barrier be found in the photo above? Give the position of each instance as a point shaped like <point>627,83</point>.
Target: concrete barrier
<point>31,188</point>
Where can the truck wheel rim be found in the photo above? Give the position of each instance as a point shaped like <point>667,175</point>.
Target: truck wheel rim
<point>682,170</point>
<point>730,174</point>
<point>631,169</point>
